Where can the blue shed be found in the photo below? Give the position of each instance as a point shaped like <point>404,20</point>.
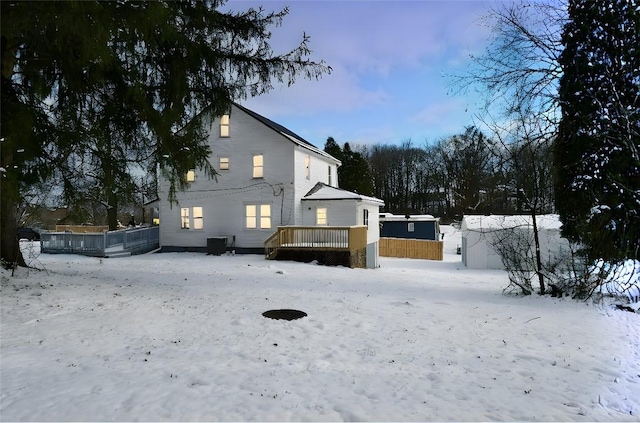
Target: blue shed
<point>422,226</point>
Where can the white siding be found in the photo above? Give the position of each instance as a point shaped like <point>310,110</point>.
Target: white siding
<point>478,252</point>
<point>223,201</point>
<point>318,173</point>
<point>339,212</point>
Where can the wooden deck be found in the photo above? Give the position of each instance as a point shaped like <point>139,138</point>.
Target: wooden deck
<point>333,245</point>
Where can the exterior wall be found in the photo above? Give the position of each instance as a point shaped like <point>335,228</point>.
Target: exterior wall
<point>224,200</point>
<point>399,229</point>
<point>478,252</point>
<point>318,172</point>
<point>339,212</point>
<point>373,231</point>
<point>373,255</point>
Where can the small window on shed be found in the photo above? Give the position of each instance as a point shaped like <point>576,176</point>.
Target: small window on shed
<point>410,227</point>
<point>321,216</point>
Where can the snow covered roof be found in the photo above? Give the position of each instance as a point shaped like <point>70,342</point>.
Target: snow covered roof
<point>411,218</point>
<point>495,222</point>
<point>323,191</point>
<point>292,136</point>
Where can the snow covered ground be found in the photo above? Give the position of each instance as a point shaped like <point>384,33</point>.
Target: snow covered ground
<point>181,336</point>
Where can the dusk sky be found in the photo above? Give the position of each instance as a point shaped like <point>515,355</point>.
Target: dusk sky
<point>390,60</point>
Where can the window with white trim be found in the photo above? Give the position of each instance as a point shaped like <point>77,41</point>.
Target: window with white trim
<point>192,218</point>
<point>265,216</point>
<point>184,218</point>
<point>321,216</point>
<point>257,214</point>
<point>410,227</point>
<point>307,166</point>
<point>224,126</point>
<point>224,163</point>
<point>365,217</point>
<point>198,222</point>
<point>258,166</point>
<point>329,171</point>
<point>191,175</point>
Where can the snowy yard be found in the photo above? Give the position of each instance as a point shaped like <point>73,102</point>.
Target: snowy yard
<point>181,336</point>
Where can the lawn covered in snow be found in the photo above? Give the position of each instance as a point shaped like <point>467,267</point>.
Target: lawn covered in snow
<point>181,336</point>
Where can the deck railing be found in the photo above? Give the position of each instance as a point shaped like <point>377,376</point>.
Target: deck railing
<point>345,238</point>
<point>126,241</point>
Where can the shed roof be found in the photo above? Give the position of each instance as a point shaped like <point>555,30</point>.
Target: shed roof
<point>323,191</point>
<point>408,218</point>
<point>496,222</point>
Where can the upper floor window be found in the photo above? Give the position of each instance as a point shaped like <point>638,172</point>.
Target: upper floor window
<point>307,166</point>
<point>258,166</point>
<point>191,175</point>
<point>224,126</point>
<point>410,227</point>
<point>365,217</point>
<point>329,171</point>
<point>224,163</point>
<point>321,216</point>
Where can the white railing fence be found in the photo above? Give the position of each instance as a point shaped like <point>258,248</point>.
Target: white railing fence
<point>126,241</point>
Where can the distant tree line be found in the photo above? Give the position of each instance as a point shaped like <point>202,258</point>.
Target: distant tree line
<point>467,173</point>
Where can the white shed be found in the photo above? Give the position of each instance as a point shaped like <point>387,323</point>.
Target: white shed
<point>479,233</point>
<point>325,205</point>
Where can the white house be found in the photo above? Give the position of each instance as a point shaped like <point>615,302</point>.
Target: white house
<point>479,233</point>
<point>265,171</point>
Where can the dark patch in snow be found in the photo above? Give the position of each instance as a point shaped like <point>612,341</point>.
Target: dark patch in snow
<point>284,314</point>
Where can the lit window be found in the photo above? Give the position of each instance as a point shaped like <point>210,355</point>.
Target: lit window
<point>258,166</point>
<point>184,218</point>
<point>191,175</point>
<point>321,216</point>
<point>224,163</point>
<point>329,169</point>
<point>410,227</point>
<point>197,218</point>
<point>365,217</point>
<point>224,126</point>
<point>251,216</point>
<point>265,216</point>
<point>307,166</point>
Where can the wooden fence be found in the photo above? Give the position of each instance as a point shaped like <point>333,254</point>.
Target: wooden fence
<point>411,248</point>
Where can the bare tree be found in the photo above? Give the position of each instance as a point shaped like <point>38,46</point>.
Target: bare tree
<point>519,70</point>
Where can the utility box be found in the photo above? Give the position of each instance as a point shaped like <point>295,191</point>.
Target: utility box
<point>216,246</point>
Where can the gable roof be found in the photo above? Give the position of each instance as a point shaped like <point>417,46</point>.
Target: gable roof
<point>292,136</point>
<point>323,191</point>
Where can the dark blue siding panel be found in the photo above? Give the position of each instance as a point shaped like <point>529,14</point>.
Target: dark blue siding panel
<point>421,230</point>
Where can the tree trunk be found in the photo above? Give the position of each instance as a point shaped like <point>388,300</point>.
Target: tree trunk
<point>9,245</point>
<point>112,211</point>
<point>536,240</point>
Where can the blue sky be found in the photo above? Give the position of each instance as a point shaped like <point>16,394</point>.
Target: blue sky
<point>390,60</point>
